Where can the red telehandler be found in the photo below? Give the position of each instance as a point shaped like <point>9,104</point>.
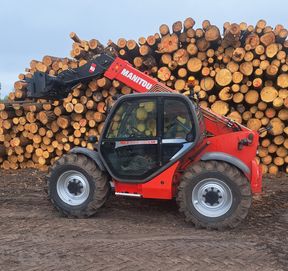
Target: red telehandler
<point>155,144</point>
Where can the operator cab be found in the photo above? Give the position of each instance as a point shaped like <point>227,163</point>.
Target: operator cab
<point>146,133</point>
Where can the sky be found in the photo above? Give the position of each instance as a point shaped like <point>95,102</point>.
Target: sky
<point>31,29</point>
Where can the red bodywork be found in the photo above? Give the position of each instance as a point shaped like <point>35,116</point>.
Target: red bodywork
<point>222,138</point>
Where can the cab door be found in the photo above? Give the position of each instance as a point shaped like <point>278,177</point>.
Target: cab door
<point>130,145</point>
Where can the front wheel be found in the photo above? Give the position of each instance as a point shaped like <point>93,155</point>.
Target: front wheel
<point>76,186</point>
<point>214,195</point>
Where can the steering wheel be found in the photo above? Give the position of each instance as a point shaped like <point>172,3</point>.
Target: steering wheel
<point>136,132</point>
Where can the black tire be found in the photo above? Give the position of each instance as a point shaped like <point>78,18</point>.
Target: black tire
<point>238,198</point>
<point>95,179</point>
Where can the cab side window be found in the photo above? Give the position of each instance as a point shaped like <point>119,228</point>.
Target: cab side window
<point>134,120</point>
<point>177,120</point>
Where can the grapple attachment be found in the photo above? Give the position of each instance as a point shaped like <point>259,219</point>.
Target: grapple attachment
<point>45,86</point>
<point>42,85</point>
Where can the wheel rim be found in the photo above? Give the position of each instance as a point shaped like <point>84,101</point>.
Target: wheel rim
<point>212,197</point>
<point>73,187</point>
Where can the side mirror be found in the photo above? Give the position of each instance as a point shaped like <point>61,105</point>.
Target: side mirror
<point>92,139</point>
<point>116,97</point>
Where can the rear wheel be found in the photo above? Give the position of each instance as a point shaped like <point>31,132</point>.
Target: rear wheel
<point>76,186</point>
<point>214,195</point>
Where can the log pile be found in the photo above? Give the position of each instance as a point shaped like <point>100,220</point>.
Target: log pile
<point>241,74</point>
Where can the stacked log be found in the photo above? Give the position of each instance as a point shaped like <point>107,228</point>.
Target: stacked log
<point>241,74</point>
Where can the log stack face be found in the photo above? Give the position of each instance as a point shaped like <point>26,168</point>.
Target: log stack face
<point>242,74</point>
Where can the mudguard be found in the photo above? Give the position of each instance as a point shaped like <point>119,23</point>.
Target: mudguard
<point>94,155</point>
<point>221,156</point>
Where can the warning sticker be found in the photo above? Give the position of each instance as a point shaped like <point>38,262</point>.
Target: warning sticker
<point>135,142</point>
<point>92,68</point>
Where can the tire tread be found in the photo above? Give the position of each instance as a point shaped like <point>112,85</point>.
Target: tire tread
<point>99,178</point>
<point>234,175</point>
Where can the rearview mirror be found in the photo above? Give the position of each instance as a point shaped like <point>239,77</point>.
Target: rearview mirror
<point>92,139</point>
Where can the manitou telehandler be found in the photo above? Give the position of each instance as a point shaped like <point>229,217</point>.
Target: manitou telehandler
<point>156,144</point>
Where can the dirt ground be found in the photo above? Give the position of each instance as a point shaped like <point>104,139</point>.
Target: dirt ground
<point>133,234</point>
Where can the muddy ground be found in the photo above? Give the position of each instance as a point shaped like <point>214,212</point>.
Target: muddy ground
<point>132,234</point>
